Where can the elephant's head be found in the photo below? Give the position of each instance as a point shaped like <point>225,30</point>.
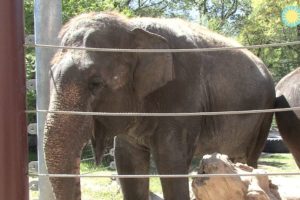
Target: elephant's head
<point>97,81</point>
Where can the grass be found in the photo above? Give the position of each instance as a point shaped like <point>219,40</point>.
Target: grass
<point>108,189</point>
<point>278,163</point>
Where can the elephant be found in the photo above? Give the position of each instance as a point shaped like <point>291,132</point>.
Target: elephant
<point>139,82</point>
<point>288,95</point>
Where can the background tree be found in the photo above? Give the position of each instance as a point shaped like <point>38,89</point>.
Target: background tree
<point>225,16</point>
<point>264,26</point>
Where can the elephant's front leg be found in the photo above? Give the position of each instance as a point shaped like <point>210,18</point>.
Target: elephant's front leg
<point>170,154</point>
<point>132,159</point>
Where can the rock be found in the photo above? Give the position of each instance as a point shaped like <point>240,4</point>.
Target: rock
<point>232,187</point>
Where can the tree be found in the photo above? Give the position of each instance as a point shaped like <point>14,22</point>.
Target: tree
<point>225,16</point>
<point>264,26</point>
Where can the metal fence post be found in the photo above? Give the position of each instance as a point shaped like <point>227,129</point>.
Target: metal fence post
<point>13,134</point>
<point>47,20</point>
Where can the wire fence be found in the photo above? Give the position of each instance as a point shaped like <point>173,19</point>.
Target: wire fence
<point>241,112</point>
<point>165,50</point>
<point>166,175</point>
<point>257,111</point>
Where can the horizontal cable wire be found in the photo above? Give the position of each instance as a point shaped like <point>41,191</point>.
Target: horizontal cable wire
<point>165,50</point>
<point>165,176</point>
<point>166,114</point>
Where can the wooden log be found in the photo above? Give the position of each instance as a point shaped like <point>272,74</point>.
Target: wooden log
<point>232,187</point>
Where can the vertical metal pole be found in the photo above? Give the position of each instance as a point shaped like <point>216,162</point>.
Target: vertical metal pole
<point>48,20</point>
<point>13,134</point>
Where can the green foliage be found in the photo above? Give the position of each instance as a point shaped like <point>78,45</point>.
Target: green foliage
<point>28,15</point>
<point>74,7</point>
<point>30,58</point>
<point>30,74</point>
<point>264,26</point>
<point>31,105</point>
<point>225,16</point>
<point>30,64</point>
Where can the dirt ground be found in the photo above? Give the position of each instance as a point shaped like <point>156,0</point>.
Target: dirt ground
<point>288,187</point>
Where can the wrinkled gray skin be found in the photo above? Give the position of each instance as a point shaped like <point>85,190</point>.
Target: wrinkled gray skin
<point>152,82</point>
<point>288,95</point>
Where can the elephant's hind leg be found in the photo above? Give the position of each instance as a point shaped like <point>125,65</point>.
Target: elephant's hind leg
<point>132,159</point>
<point>261,140</point>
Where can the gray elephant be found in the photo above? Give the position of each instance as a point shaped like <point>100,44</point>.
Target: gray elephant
<point>288,95</point>
<point>157,83</point>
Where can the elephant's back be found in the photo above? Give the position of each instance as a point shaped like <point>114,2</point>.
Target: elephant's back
<point>289,87</point>
<point>288,95</point>
<point>183,34</point>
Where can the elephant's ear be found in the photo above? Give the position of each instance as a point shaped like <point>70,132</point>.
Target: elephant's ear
<point>91,38</point>
<point>153,70</point>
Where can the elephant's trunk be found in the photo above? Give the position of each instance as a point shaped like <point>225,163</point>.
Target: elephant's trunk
<point>65,136</point>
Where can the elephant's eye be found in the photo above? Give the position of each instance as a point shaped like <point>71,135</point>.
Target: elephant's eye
<point>95,84</point>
